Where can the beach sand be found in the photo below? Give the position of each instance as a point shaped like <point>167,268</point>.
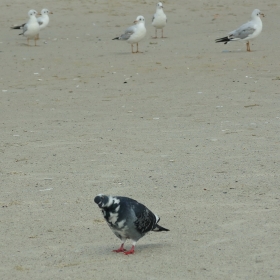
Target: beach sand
<point>190,128</point>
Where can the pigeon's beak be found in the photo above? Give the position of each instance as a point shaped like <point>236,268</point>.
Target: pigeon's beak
<point>98,200</point>
<point>262,15</point>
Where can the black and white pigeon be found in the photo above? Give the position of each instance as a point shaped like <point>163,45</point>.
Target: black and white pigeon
<point>127,218</point>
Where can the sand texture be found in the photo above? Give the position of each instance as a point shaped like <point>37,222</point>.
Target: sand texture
<point>190,128</point>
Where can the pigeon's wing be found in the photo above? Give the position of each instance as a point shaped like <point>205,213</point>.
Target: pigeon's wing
<point>145,219</point>
<point>242,32</point>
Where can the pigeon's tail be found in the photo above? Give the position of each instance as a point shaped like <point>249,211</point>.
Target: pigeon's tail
<point>225,40</point>
<point>159,228</point>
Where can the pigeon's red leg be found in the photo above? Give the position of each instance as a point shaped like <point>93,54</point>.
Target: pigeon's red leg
<point>121,249</point>
<point>131,251</point>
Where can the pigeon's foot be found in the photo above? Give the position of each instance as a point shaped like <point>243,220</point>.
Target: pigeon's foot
<point>121,249</point>
<point>131,251</point>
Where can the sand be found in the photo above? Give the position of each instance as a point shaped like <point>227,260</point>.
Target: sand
<point>189,128</point>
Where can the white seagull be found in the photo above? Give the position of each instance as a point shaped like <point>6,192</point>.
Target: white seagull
<point>159,19</point>
<point>43,20</point>
<point>135,33</point>
<point>31,28</point>
<point>247,31</point>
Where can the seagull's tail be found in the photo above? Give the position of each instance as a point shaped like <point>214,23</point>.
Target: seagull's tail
<point>159,228</point>
<point>225,40</point>
<point>18,26</point>
<point>117,38</point>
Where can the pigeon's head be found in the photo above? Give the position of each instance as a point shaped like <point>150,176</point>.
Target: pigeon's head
<point>103,200</point>
<point>139,19</point>
<point>159,5</point>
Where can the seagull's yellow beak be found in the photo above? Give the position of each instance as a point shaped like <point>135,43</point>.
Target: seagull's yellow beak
<point>135,21</point>
<point>262,15</point>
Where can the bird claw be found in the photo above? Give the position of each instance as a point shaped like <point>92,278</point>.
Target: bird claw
<point>119,250</point>
<point>130,252</point>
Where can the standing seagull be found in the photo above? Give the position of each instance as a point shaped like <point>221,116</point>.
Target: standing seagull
<point>135,33</point>
<point>247,31</point>
<point>159,19</point>
<point>31,28</point>
<point>127,218</point>
<point>43,20</point>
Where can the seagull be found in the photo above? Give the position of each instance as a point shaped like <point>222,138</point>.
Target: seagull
<point>247,31</point>
<point>127,218</point>
<point>31,28</point>
<point>159,19</point>
<point>43,20</point>
<point>135,33</point>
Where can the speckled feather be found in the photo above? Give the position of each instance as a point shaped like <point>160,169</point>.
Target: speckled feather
<point>127,218</point>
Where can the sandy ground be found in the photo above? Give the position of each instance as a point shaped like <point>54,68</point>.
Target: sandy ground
<point>190,128</point>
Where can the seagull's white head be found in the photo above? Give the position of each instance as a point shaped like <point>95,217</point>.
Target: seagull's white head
<point>139,19</point>
<point>256,13</point>
<point>159,5</point>
<point>32,13</point>
<point>45,12</point>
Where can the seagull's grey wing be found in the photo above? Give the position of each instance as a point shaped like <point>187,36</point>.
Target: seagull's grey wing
<point>242,32</point>
<point>24,29</point>
<point>40,21</point>
<point>127,33</point>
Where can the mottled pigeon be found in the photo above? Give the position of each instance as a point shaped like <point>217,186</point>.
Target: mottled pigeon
<point>127,218</point>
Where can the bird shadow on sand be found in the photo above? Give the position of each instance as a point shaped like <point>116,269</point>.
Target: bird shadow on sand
<point>129,53</point>
<point>26,45</point>
<point>151,247</point>
<point>240,51</point>
<point>139,249</point>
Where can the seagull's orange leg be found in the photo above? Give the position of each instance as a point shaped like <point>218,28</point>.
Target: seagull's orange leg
<point>248,46</point>
<point>162,33</point>
<point>155,34</point>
